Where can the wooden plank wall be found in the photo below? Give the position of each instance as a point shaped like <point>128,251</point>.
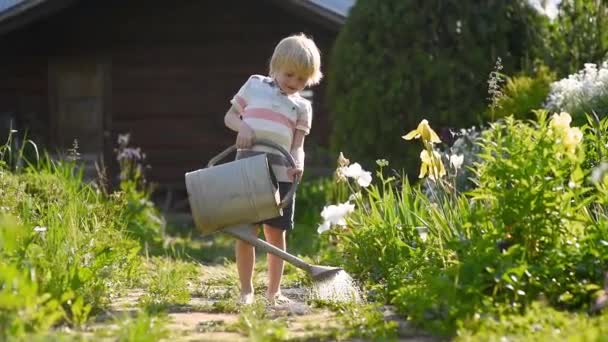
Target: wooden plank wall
<point>174,65</point>
<point>23,93</point>
<point>171,88</point>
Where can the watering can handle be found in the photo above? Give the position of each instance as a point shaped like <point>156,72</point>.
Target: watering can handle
<point>268,143</point>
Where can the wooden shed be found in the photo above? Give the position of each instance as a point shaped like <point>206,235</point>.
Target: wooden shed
<point>163,71</point>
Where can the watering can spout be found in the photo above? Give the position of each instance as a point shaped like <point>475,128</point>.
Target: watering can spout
<point>318,272</point>
<point>243,232</point>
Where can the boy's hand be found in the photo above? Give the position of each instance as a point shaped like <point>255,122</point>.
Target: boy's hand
<point>295,172</point>
<point>245,137</point>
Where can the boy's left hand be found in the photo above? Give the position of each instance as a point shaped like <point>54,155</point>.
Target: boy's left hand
<point>295,172</point>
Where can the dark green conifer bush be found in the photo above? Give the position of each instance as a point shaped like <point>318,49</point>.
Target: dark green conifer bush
<point>398,61</point>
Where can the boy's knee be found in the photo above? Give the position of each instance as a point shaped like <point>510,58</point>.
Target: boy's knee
<point>242,245</point>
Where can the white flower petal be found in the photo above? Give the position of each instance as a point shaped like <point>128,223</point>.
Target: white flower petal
<point>334,214</point>
<point>353,171</point>
<point>456,160</point>
<point>365,179</point>
<point>323,227</point>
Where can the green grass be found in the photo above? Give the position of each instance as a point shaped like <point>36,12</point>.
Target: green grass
<point>141,328</point>
<point>68,237</point>
<point>539,323</point>
<point>167,283</point>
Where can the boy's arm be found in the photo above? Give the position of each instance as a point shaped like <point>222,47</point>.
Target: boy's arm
<point>232,119</point>
<point>297,151</point>
<point>245,136</point>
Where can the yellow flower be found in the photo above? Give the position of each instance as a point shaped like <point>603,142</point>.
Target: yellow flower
<point>568,136</point>
<point>572,138</point>
<point>425,131</point>
<point>560,122</point>
<point>431,165</point>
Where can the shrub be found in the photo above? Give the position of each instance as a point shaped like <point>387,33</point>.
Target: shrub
<point>521,95</point>
<point>578,35</point>
<point>529,235</point>
<point>529,177</point>
<point>532,229</point>
<point>397,60</point>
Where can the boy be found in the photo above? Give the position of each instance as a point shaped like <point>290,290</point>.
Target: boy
<point>272,108</point>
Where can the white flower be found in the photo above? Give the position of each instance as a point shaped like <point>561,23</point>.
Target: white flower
<point>583,90</point>
<point>365,179</point>
<point>323,227</point>
<point>423,232</point>
<point>352,171</point>
<point>456,160</point>
<point>39,229</point>
<point>355,171</point>
<point>334,215</point>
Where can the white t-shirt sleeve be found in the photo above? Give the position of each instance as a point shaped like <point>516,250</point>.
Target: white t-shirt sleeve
<point>242,97</point>
<point>304,121</point>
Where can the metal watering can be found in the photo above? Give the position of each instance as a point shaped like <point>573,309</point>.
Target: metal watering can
<point>231,196</point>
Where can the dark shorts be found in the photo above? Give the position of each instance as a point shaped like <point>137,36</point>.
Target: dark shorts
<point>284,222</point>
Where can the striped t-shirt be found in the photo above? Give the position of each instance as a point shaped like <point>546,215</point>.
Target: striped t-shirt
<point>272,115</point>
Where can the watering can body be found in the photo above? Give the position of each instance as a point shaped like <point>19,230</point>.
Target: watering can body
<point>237,192</point>
<point>241,191</point>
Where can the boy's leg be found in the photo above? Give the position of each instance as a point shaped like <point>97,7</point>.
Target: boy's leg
<point>245,261</point>
<point>276,237</point>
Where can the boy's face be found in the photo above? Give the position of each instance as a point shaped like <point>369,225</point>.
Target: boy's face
<point>290,82</point>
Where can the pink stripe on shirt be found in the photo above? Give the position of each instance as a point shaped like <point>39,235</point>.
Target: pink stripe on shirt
<point>267,114</point>
<point>241,101</point>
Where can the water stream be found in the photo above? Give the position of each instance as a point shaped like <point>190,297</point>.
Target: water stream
<point>338,288</point>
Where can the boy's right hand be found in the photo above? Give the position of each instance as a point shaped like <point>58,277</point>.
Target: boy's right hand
<point>245,137</point>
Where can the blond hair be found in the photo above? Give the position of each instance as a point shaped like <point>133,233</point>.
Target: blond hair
<point>299,53</point>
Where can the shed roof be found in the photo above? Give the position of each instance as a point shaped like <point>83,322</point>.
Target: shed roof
<point>18,13</point>
<point>6,4</point>
<point>12,7</point>
<point>335,11</point>
<point>340,7</point>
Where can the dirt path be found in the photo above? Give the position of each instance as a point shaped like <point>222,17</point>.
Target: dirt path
<point>212,313</point>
